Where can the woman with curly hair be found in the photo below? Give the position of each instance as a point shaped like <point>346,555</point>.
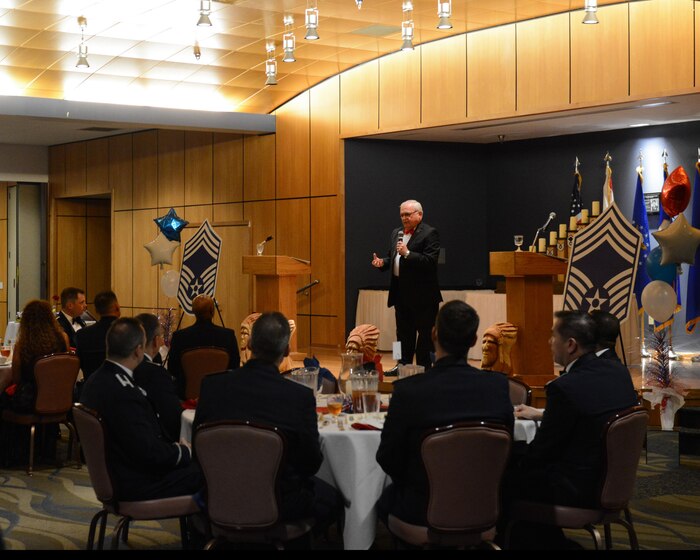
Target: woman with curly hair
<point>39,335</point>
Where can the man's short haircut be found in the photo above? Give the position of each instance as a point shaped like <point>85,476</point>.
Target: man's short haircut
<point>70,294</point>
<point>123,337</point>
<point>105,301</point>
<point>456,326</point>
<point>150,324</point>
<point>607,328</point>
<point>577,325</point>
<point>417,206</point>
<point>203,307</point>
<point>269,338</point>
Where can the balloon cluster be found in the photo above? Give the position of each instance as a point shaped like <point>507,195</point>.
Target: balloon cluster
<point>163,246</point>
<point>678,241</point>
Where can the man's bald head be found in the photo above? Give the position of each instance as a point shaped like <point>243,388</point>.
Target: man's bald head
<point>203,307</point>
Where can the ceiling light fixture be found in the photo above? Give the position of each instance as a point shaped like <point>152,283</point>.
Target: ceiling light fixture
<point>82,49</point>
<point>204,11</point>
<point>358,3</point>
<point>289,41</point>
<point>311,19</point>
<point>407,26</point>
<point>271,65</point>
<point>444,13</point>
<point>197,51</point>
<point>591,7</point>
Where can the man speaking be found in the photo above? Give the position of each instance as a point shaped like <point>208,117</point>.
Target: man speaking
<point>414,291</point>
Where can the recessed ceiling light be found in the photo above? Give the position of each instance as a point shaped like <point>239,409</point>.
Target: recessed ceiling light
<point>638,125</point>
<point>654,104</point>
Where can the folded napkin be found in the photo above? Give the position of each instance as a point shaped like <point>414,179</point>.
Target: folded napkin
<point>362,426</point>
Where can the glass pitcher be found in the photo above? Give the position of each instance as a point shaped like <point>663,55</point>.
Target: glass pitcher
<point>349,362</point>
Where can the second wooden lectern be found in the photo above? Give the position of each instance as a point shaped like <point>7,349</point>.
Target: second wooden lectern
<point>529,290</point>
<point>276,283</point>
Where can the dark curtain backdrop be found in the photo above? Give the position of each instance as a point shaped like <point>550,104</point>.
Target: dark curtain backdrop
<point>480,195</point>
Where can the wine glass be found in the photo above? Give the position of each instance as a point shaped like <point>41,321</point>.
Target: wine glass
<point>335,405</point>
<point>518,240</point>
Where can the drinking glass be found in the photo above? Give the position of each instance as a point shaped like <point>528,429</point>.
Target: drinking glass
<point>335,405</point>
<point>518,240</point>
<point>371,403</point>
<point>5,351</point>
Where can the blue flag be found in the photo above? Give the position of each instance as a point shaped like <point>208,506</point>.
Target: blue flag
<point>641,222</point>
<point>200,264</point>
<point>692,304</point>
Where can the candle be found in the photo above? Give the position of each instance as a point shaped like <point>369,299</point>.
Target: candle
<point>573,223</point>
<point>596,207</point>
<point>552,237</point>
<point>562,231</point>
<point>542,245</point>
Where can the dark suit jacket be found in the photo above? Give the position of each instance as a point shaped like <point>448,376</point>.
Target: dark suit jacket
<point>139,454</point>
<point>417,283</point>
<point>452,391</point>
<point>258,393</point>
<point>202,333</point>
<point>160,391</point>
<point>92,345</point>
<point>568,442</point>
<point>67,326</point>
<point>610,354</point>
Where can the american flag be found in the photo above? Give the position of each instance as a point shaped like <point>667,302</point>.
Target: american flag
<point>576,200</point>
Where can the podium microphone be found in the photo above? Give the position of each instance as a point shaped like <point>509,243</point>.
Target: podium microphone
<point>261,245</point>
<point>552,215</point>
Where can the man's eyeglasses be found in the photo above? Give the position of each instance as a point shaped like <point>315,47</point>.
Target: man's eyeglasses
<point>407,214</point>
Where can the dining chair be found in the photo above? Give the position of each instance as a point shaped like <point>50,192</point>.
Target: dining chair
<point>55,376</point>
<point>464,463</point>
<point>93,438</point>
<point>520,392</point>
<point>622,441</point>
<point>241,463</point>
<point>199,362</point>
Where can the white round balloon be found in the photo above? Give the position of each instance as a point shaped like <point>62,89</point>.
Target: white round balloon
<point>659,300</point>
<point>169,282</point>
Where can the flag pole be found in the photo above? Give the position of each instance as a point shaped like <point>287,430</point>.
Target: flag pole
<point>643,351</point>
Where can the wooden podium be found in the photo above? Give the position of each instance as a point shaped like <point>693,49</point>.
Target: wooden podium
<point>529,290</point>
<point>275,284</point>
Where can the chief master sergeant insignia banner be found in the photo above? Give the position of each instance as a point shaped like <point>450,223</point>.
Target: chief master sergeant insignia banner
<point>603,265</point>
<point>200,263</point>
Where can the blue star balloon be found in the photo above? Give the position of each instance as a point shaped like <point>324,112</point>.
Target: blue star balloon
<point>171,225</point>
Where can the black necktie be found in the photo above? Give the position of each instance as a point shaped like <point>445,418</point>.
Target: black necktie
<point>77,321</point>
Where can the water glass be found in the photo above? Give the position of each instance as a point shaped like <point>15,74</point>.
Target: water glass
<point>371,402</point>
<point>307,376</point>
<point>406,370</point>
<point>362,381</point>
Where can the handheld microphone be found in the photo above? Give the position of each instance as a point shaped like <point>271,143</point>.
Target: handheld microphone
<point>261,245</point>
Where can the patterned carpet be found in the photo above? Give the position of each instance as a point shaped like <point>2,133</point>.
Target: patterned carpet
<point>52,509</point>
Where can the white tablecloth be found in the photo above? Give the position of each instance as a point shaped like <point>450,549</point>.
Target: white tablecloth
<point>349,464</point>
<point>491,308</point>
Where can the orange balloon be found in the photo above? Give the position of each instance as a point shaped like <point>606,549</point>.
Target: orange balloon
<point>675,194</point>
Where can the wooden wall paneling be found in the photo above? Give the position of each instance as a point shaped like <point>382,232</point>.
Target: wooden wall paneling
<point>171,168</point>
<point>444,80</point>
<point>3,318</point>
<point>99,257</point>
<point>294,238</point>
<point>227,167</point>
<point>292,148</point>
<point>326,255</point>
<point>228,213</point>
<point>57,171</point>
<point>76,162</point>
<point>122,257</point>
<point>600,56</point>
<point>121,171</point>
<point>97,166</point>
<point>146,277</point>
<point>198,167</point>
<point>399,90</point>
<point>359,99</point>
<point>303,333</point>
<point>697,43</point>
<point>491,72</point>
<point>98,207</point>
<point>71,254</point>
<point>324,331</point>
<point>662,45</point>
<point>3,204</point>
<point>232,286</point>
<point>71,207</point>
<point>3,248</point>
<point>324,141</point>
<point>261,216</point>
<point>145,169</point>
<point>259,168</point>
<point>543,67</point>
